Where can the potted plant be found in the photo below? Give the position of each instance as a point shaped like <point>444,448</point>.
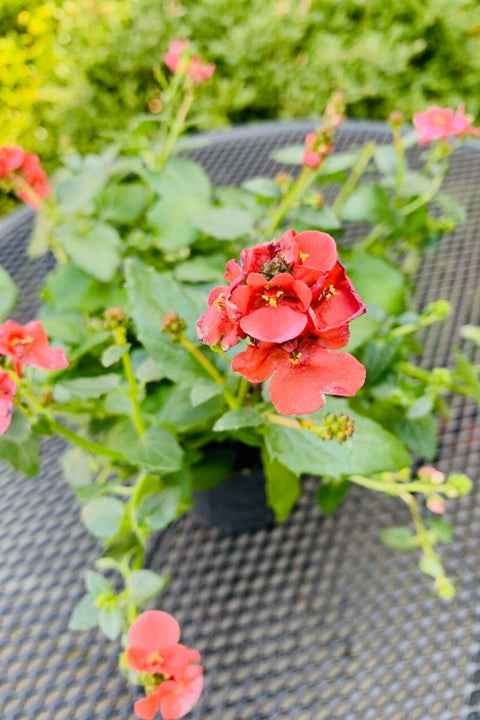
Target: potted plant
<point>198,334</point>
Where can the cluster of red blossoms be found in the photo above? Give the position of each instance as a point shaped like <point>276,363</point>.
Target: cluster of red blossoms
<point>24,345</point>
<point>292,301</point>
<point>441,123</point>
<point>23,174</point>
<point>180,62</point>
<point>172,671</point>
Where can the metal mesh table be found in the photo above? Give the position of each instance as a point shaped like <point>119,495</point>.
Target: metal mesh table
<point>313,620</point>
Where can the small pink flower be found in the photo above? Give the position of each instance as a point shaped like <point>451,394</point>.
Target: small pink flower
<point>316,150</point>
<point>24,175</point>
<point>28,345</point>
<point>436,476</point>
<point>440,123</point>
<point>174,698</point>
<point>436,505</point>
<point>11,158</point>
<point>180,62</point>
<point>7,392</point>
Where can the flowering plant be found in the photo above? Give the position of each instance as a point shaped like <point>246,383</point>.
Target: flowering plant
<point>188,322</point>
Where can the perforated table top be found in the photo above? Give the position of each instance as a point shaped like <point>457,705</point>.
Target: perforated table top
<point>312,620</point>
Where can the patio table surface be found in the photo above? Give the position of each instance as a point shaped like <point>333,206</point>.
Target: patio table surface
<point>312,620</point>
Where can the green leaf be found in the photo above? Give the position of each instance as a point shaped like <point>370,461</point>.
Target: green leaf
<point>145,585</point>
<point>103,517</point>
<point>420,435</point>
<point>181,178</point>
<point>123,203</point>
<point>443,530</point>
<point>204,390</point>
<point>19,447</point>
<point>377,358</point>
<point>239,418</point>
<point>66,327</point>
<point>263,187</point>
<point>69,288</point>
<point>84,388</point>
<point>223,223</point>
<point>76,467</point>
<point>385,159</point>
<point>452,207</point>
<point>369,203</point>
<point>338,162</point>
<point>306,218</point>
<point>76,192</point>
<point>282,487</point>
<point>151,295</point>
<point>39,239</point>
<point>110,621</point>
<point>201,269</point>
<point>371,449</point>
<point>113,354</point>
<point>421,407</point>
<point>97,584</point>
<point>178,413</point>
<point>471,332</point>
<point>158,449</point>
<point>377,282</point>
<point>399,538</point>
<point>8,293</point>
<point>171,220</point>
<point>157,510</point>
<point>84,615</point>
<point>96,250</point>
<point>330,494</point>
<point>289,155</point>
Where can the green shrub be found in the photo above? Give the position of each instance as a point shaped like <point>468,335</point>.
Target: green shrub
<point>75,71</point>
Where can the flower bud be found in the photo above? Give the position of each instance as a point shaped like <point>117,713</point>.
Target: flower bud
<point>174,325</point>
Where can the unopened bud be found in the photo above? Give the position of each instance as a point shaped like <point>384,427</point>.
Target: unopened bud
<point>46,398</point>
<point>436,505</point>
<point>396,118</point>
<point>174,325</point>
<point>435,476</point>
<point>114,317</point>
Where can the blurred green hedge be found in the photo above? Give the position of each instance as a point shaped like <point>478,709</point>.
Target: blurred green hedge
<point>74,70</point>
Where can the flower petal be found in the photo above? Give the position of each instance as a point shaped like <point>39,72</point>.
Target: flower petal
<point>274,324</point>
<point>153,630</point>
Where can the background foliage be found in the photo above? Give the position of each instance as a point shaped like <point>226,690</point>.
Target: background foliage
<point>73,70</point>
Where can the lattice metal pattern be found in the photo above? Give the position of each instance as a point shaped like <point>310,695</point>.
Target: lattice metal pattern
<point>313,620</point>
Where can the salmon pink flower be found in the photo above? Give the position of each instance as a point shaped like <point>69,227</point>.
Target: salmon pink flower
<point>179,61</point>
<point>440,123</point>
<point>220,323</point>
<point>303,372</point>
<point>7,392</point>
<point>174,698</point>
<point>28,345</point>
<point>11,158</point>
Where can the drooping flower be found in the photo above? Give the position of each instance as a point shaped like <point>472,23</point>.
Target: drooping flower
<point>28,345</point>
<point>8,389</point>
<point>441,123</point>
<point>180,62</point>
<point>303,372</point>
<point>174,698</point>
<point>155,650</point>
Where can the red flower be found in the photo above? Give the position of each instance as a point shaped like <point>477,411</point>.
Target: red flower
<point>24,175</point>
<point>11,158</point>
<point>440,123</point>
<point>7,392</point>
<point>174,698</point>
<point>272,310</point>
<point>220,322</point>
<point>180,62</point>
<point>302,372</point>
<point>28,345</point>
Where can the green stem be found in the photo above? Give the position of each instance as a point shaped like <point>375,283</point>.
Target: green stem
<point>120,339</point>
<point>424,198</point>
<point>64,431</point>
<point>211,370</point>
<point>242,390</point>
<point>422,532</point>
<point>178,124</point>
<point>304,180</point>
<point>352,180</point>
<point>400,174</point>
<point>394,488</point>
<point>371,238</point>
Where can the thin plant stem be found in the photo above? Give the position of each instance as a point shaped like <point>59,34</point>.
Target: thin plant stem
<point>354,177</point>
<point>211,370</point>
<point>242,390</point>
<point>120,339</point>
<point>68,434</point>
<point>394,488</point>
<point>303,181</point>
<point>424,198</point>
<point>400,174</point>
<point>178,124</point>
